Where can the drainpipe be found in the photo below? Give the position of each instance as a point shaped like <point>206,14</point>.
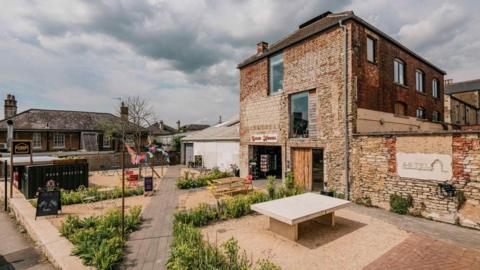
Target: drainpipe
<point>345,93</point>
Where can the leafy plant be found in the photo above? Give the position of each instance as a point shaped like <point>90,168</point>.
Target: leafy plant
<point>365,200</point>
<point>187,181</point>
<point>271,186</point>
<point>400,204</point>
<point>289,183</point>
<point>79,195</point>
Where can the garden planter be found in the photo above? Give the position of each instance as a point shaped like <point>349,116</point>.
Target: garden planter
<point>327,193</point>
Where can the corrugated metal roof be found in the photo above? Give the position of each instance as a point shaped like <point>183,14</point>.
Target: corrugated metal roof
<point>465,86</point>
<point>226,131</point>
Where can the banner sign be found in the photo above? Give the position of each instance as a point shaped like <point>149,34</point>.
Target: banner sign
<point>148,184</point>
<point>268,138</point>
<point>22,147</point>
<point>48,203</point>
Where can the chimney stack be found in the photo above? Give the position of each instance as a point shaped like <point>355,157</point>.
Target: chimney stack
<point>161,124</point>
<point>220,119</point>
<point>123,112</point>
<point>178,125</point>
<point>10,107</point>
<point>262,47</point>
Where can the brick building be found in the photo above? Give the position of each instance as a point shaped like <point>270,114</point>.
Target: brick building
<point>61,130</point>
<point>295,95</point>
<point>462,103</point>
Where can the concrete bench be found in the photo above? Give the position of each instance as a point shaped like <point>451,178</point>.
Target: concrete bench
<point>285,214</point>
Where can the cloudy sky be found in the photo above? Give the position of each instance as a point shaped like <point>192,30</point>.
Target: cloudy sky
<point>182,55</point>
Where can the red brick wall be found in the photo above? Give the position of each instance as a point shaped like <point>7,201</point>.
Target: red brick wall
<point>376,87</point>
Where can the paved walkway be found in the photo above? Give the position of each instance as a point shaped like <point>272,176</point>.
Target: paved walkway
<point>148,248</point>
<point>17,251</point>
<point>468,238</point>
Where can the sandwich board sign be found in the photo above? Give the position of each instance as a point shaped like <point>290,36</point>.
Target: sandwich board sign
<point>48,203</point>
<point>148,184</point>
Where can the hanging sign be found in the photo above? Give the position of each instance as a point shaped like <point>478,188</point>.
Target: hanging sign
<point>22,147</point>
<point>268,138</point>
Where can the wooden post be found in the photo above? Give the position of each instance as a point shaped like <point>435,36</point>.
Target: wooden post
<point>123,191</point>
<point>11,168</point>
<point>5,168</point>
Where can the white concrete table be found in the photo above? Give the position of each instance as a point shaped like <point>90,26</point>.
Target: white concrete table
<point>285,214</point>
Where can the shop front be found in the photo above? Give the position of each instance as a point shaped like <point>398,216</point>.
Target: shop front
<point>308,168</point>
<point>265,158</point>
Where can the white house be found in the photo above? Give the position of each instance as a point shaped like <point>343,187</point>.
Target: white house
<point>219,145</point>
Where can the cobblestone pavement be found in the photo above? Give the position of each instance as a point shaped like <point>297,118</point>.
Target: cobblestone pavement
<point>17,251</point>
<point>148,248</point>
<point>421,252</point>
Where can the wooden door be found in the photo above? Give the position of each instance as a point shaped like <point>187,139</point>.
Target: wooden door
<point>302,167</point>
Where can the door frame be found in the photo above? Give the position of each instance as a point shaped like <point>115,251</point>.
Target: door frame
<point>307,167</point>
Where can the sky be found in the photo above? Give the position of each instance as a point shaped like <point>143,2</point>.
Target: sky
<point>182,55</point>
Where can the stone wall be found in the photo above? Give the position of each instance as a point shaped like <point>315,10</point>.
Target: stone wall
<point>375,174</point>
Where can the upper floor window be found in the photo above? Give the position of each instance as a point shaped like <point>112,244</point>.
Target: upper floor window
<point>37,140</point>
<point>435,90</point>
<point>58,140</point>
<point>421,113</point>
<point>276,73</point>
<point>435,116</point>
<point>299,115</point>
<point>371,49</point>
<point>400,108</point>
<point>399,71</point>
<point>420,79</point>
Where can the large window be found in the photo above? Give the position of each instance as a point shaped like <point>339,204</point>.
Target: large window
<point>276,73</point>
<point>299,115</point>
<point>400,108</point>
<point>420,79</point>
<point>435,91</point>
<point>58,140</point>
<point>421,113</point>
<point>371,49</point>
<point>399,71</point>
<point>435,116</point>
<point>37,140</point>
<point>106,141</point>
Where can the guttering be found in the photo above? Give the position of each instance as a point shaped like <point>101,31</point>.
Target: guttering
<point>345,105</point>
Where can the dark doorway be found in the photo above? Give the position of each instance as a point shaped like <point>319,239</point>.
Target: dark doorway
<point>317,170</point>
<point>267,160</point>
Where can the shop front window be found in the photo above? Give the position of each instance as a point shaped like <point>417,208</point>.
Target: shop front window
<point>299,115</point>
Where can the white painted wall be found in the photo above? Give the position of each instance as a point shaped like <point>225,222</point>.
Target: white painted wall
<point>218,154</point>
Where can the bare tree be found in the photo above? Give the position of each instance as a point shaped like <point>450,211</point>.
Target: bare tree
<point>141,115</point>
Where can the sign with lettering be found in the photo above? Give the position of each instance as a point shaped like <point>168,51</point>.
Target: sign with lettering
<point>148,184</point>
<point>424,166</point>
<point>48,203</point>
<point>22,147</point>
<point>267,138</point>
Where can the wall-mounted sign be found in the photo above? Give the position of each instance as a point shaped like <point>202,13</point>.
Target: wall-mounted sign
<point>424,166</point>
<point>268,138</point>
<point>22,147</point>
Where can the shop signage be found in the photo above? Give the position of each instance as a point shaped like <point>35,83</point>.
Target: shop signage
<point>148,184</point>
<point>424,166</point>
<point>22,147</point>
<point>48,203</point>
<point>268,138</point>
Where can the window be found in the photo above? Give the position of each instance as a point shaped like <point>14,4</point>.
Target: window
<point>37,140</point>
<point>58,140</point>
<point>129,139</point>
<point>435,116</point>
<point>399,71</point>
<point>420,113</point>
<point>299,115</point>
<point>106,141</point>
<point>371,49</point>
<point>400,108</point>
<point>419,79</point>
<point>276,73</point>
<point>435,92</point>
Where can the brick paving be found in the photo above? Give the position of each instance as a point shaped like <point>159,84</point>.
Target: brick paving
<point>421,252</point>
<point>148,248</point>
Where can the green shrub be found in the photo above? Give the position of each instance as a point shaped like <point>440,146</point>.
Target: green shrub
<point>79,195</point>
<point>289,183</point>
<point>97,240</point>
<point>271,186</point>
<point>400,204</point>
<point>187,181</point>
<point>264,264</point>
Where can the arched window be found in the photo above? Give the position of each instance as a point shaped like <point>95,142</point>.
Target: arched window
<point>399,71</point>
<point>421,113</point>
<point>420,81</point>
<point>400,108</point>
<point>435,90</point>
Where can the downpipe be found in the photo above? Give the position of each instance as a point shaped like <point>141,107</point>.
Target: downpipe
<point>345,93</point>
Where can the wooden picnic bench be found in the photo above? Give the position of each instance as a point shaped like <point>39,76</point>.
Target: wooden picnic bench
<point>230,187</point>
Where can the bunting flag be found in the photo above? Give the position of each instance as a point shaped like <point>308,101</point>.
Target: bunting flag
<point>134,157</point>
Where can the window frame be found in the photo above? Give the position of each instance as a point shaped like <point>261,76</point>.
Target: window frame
<point>55,140</point>
<point>291,119</point>
<point>424,113</point>
<point>374,49</point>
<point>36,139</point>
<point>106,141</point>
<point>436,89</point>
<point>396,63</point>
<point>270,73</point>
<point>438,118</point>
<point>405,107</point>
<point>420,86</point>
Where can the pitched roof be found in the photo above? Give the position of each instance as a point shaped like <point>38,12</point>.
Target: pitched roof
<point>465,86</point>
<point>161,129</point>
<point>226,131</point>
<point>62,120</point>
<point>320,24</point>
<point>193,127</point>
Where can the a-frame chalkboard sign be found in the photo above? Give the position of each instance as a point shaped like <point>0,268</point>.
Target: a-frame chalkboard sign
<point>48,203</point>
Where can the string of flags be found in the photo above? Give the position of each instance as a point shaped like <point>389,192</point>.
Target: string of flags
<point>145,156</point>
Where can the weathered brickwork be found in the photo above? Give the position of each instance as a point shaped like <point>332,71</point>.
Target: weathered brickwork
<point>375,176</point>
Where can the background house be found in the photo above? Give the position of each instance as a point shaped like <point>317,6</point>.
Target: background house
<point>462,102</point>
<point>218,145</point>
